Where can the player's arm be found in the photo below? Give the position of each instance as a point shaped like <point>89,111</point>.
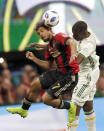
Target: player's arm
<point>38,46</point>
<point>41,63</point>
<point>80,58</point>
<point>73,47</point>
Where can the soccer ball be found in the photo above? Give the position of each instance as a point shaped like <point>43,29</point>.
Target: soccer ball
<point>50,18</point>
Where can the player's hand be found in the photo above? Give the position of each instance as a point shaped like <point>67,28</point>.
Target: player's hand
<point>30,55</point>
<point>72,58</point>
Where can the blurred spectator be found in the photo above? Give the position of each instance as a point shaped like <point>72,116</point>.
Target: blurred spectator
<point>8,93</point>
<point>1,99</point>
<point>7,89</point>
<point>23,88</point>
<point>6,74</point>
<point>31,73</point>
<point>26,78</point>
<point>3,63</point>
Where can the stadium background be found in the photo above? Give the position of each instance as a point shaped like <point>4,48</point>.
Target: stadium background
<point>17,22</point>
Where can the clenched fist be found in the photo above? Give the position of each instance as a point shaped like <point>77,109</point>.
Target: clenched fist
<point>30,55</point>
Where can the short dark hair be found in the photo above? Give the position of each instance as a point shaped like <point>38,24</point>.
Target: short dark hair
<point>41,24</point>
<point>79,27</point>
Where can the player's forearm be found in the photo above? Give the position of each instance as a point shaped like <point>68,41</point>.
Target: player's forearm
<point>73,48</point>
<point>42,46</point>
<point>72,45</point>
<point>80,58</point>
<point>42,63</point>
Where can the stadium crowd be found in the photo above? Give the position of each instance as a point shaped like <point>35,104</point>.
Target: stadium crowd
<point>13,88</point>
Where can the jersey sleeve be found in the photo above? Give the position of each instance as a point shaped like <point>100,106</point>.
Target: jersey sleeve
<point>62,38</point>
<point>87,48</point>
<point>47,54</point>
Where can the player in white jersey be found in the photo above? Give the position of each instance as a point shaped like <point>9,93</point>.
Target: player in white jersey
<point>83,93</point>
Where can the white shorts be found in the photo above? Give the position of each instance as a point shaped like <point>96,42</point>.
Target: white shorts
<point>86,87</point>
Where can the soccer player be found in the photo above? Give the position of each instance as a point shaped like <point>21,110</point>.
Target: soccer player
<point>88,61</point>
<point>62,49</point>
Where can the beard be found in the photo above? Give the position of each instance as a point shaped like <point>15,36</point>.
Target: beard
<point>46,40</point>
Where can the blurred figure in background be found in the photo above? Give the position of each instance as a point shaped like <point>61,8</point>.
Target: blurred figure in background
<point>6,74</point>
<point>7,91</point>
<point>7,88</point>
<point>14,95</point>
<point>1,99</point>
<point>30,71</point>
<point>3,63</point>
<point>23,88</point>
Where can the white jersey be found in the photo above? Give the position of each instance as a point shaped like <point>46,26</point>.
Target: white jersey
<point>86,87</point>
<point>87,48</point>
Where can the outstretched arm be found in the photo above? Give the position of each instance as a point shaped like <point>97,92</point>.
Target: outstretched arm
<point>41,63</point>
<point>36,45</point>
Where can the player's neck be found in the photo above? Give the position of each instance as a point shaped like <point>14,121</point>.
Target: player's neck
<point>51,36</point>
<point>87,34</point>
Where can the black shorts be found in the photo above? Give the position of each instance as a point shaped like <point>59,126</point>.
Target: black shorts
<point>57,83</point>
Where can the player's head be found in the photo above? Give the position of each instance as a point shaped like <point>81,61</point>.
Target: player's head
<point>79,30</point>
<point>43,31</point>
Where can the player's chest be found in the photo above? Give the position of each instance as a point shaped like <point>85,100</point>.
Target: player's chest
<point>54,50</point>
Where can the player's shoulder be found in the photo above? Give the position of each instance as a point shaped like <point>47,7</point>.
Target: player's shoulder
<point>60,34</point>
<point>91,39</point>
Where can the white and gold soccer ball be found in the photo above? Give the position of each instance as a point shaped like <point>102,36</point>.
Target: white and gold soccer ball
<point>51,18</point>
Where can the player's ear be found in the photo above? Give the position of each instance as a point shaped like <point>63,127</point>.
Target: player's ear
<point>50,29</point>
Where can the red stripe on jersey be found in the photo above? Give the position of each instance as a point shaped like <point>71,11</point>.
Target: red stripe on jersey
<point>59,60</point>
